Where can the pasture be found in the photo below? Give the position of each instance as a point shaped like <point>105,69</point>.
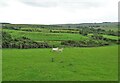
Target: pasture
<point>60,52</point>
<point>111,37</point>
<point>74,64</point>
<point>45,36</point>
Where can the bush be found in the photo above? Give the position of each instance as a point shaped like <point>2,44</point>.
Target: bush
<point>21,43</point>
<point>6,40</point>
<point>85,43</point>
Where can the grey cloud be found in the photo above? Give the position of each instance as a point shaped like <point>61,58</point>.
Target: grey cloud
<point>40,3</point>
<point>63,3</point>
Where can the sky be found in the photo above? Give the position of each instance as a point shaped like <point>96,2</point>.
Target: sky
<point>58,11</point>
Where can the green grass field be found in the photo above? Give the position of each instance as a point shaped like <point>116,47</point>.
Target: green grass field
<point>45,36</point>
<point>74,64</point>
<point>114,28</point>
<point>111,37</point>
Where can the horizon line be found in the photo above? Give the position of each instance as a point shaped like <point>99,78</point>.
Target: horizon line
<point>58,23</point>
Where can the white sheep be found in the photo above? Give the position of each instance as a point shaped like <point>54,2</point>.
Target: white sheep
<point>57,49</point>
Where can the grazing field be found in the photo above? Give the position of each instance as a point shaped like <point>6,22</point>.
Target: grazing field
<point>45,36</point>
<point>82,52</point>
<point>114,28</point>
<point>111,37</point>
<point>95,64</point>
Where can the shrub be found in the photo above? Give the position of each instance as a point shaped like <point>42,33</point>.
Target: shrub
<point>22,42</point>
<point>85,43</point>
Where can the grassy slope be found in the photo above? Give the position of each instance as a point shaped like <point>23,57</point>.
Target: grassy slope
<point>77,64</point>
<point>42,36</point>
<point>111,37</point>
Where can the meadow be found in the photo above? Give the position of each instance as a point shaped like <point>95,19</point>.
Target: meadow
<point>74,64</point>
<point>45,36</point>
<point>111,37</point>
<point>90,53</point>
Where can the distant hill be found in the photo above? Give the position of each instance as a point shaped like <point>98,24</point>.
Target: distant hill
<point>104,25</point>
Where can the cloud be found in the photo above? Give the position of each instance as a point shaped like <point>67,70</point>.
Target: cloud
<point>40,3</point>
<point>57,11</point>
<point>63,3</point>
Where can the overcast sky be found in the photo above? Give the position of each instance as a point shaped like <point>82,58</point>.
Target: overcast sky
<point>58,11</point>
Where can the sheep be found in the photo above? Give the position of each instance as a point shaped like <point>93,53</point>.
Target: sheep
<point>57,49</point>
